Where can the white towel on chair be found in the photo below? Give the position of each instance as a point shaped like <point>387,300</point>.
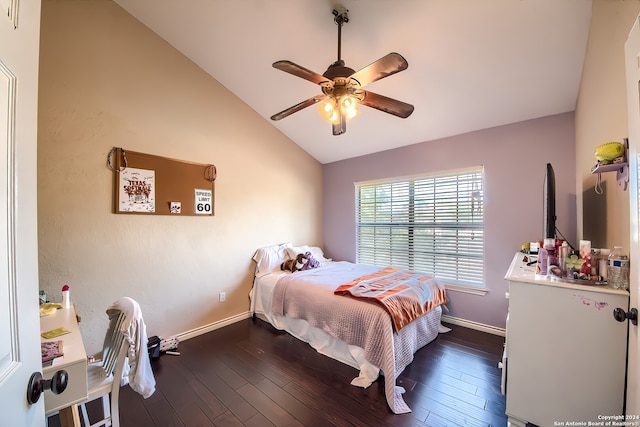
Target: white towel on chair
<point>139,375</point>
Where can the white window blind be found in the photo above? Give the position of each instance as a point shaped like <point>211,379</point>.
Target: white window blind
<point>433,224</point>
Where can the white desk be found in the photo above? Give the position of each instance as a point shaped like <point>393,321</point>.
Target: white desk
<point>74,362</point>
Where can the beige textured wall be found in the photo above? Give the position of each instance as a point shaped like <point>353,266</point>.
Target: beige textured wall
<point>105,81</point>
<point>601,116</point>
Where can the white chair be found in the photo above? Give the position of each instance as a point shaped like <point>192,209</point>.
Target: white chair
<point>103,376</point>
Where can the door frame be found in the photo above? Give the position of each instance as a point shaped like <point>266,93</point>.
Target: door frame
<point>632,68</point>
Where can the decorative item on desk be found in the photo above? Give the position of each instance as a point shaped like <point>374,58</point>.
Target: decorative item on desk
<point>585,249</point>
<point>585,254</point>
<point>586,267</point>
<point>595,260</point>
<point>573,266</point>
<point>66,300</point>
<point>603,263</point>
<point>50,350</point>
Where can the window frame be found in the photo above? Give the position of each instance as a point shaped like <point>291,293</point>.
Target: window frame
<point>461,226</point>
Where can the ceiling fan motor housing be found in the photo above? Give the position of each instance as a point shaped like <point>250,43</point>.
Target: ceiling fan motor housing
<point>338,69</point>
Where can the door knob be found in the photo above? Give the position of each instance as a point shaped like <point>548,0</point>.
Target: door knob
<point>57,384</point>
<point>620,315</point>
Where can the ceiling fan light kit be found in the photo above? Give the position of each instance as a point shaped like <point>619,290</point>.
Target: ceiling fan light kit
<point>330,110</point>
<point>342,87</point>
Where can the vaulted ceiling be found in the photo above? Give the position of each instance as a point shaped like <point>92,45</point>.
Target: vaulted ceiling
<point>473,64</point>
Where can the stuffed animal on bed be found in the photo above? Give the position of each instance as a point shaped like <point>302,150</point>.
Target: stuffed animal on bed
<point>289,265</point>
<point>308,261</point>
<point>302,262</point>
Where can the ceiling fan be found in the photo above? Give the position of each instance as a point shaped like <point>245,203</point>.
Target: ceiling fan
<point>342,87</point>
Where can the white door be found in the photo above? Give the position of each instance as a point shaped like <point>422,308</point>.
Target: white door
<point>19,320</point>
<point>632,59</point>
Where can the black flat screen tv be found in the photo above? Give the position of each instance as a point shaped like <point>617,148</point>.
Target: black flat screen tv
<point>549,203</point>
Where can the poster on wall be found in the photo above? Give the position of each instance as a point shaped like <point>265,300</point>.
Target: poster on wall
<point>203,202</point>
<point>137,190</point>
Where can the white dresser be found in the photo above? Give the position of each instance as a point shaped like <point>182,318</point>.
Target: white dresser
<point>565,352</point>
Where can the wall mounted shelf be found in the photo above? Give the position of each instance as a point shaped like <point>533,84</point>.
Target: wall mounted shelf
<point>621,168</point>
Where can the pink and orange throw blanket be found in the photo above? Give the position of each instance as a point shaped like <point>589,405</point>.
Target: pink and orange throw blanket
<point>405,294</point>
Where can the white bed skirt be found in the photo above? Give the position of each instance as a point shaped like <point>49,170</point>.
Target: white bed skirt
<point>325,344</point>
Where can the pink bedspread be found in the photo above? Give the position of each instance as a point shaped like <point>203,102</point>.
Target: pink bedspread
<point>407,295</point>
<point>309,295</point>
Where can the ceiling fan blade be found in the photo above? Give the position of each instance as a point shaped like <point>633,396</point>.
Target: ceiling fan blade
<point>300,71</point>
<point>383,67</point>
<point>304,104</point>
<point>388,105</point>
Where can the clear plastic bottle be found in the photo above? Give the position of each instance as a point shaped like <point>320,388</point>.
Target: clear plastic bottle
<point>618,269</point>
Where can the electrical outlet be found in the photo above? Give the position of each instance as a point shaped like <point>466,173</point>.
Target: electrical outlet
<point>223,296</point>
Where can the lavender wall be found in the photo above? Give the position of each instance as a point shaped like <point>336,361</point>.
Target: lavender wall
<point>514,157</point>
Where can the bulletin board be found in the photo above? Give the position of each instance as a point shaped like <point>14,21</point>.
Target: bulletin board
<point>146,184</point>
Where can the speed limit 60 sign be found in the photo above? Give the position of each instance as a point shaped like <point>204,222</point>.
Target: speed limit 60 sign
<point>203,202</point>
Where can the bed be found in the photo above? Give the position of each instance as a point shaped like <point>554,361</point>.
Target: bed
<point>355,332</point>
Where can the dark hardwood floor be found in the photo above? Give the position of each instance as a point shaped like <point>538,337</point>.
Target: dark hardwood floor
<point>250,374</point>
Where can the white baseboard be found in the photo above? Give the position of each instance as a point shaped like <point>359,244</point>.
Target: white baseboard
<point>474,325</point>
<point>212,326</point>
<point>233,319</point>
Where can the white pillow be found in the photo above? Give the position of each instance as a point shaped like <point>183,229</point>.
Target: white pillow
<point>269,258</point>
<point>293,251</point>
<point>316,252</point>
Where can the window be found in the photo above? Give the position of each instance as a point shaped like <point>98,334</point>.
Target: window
<point>430,223</point>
